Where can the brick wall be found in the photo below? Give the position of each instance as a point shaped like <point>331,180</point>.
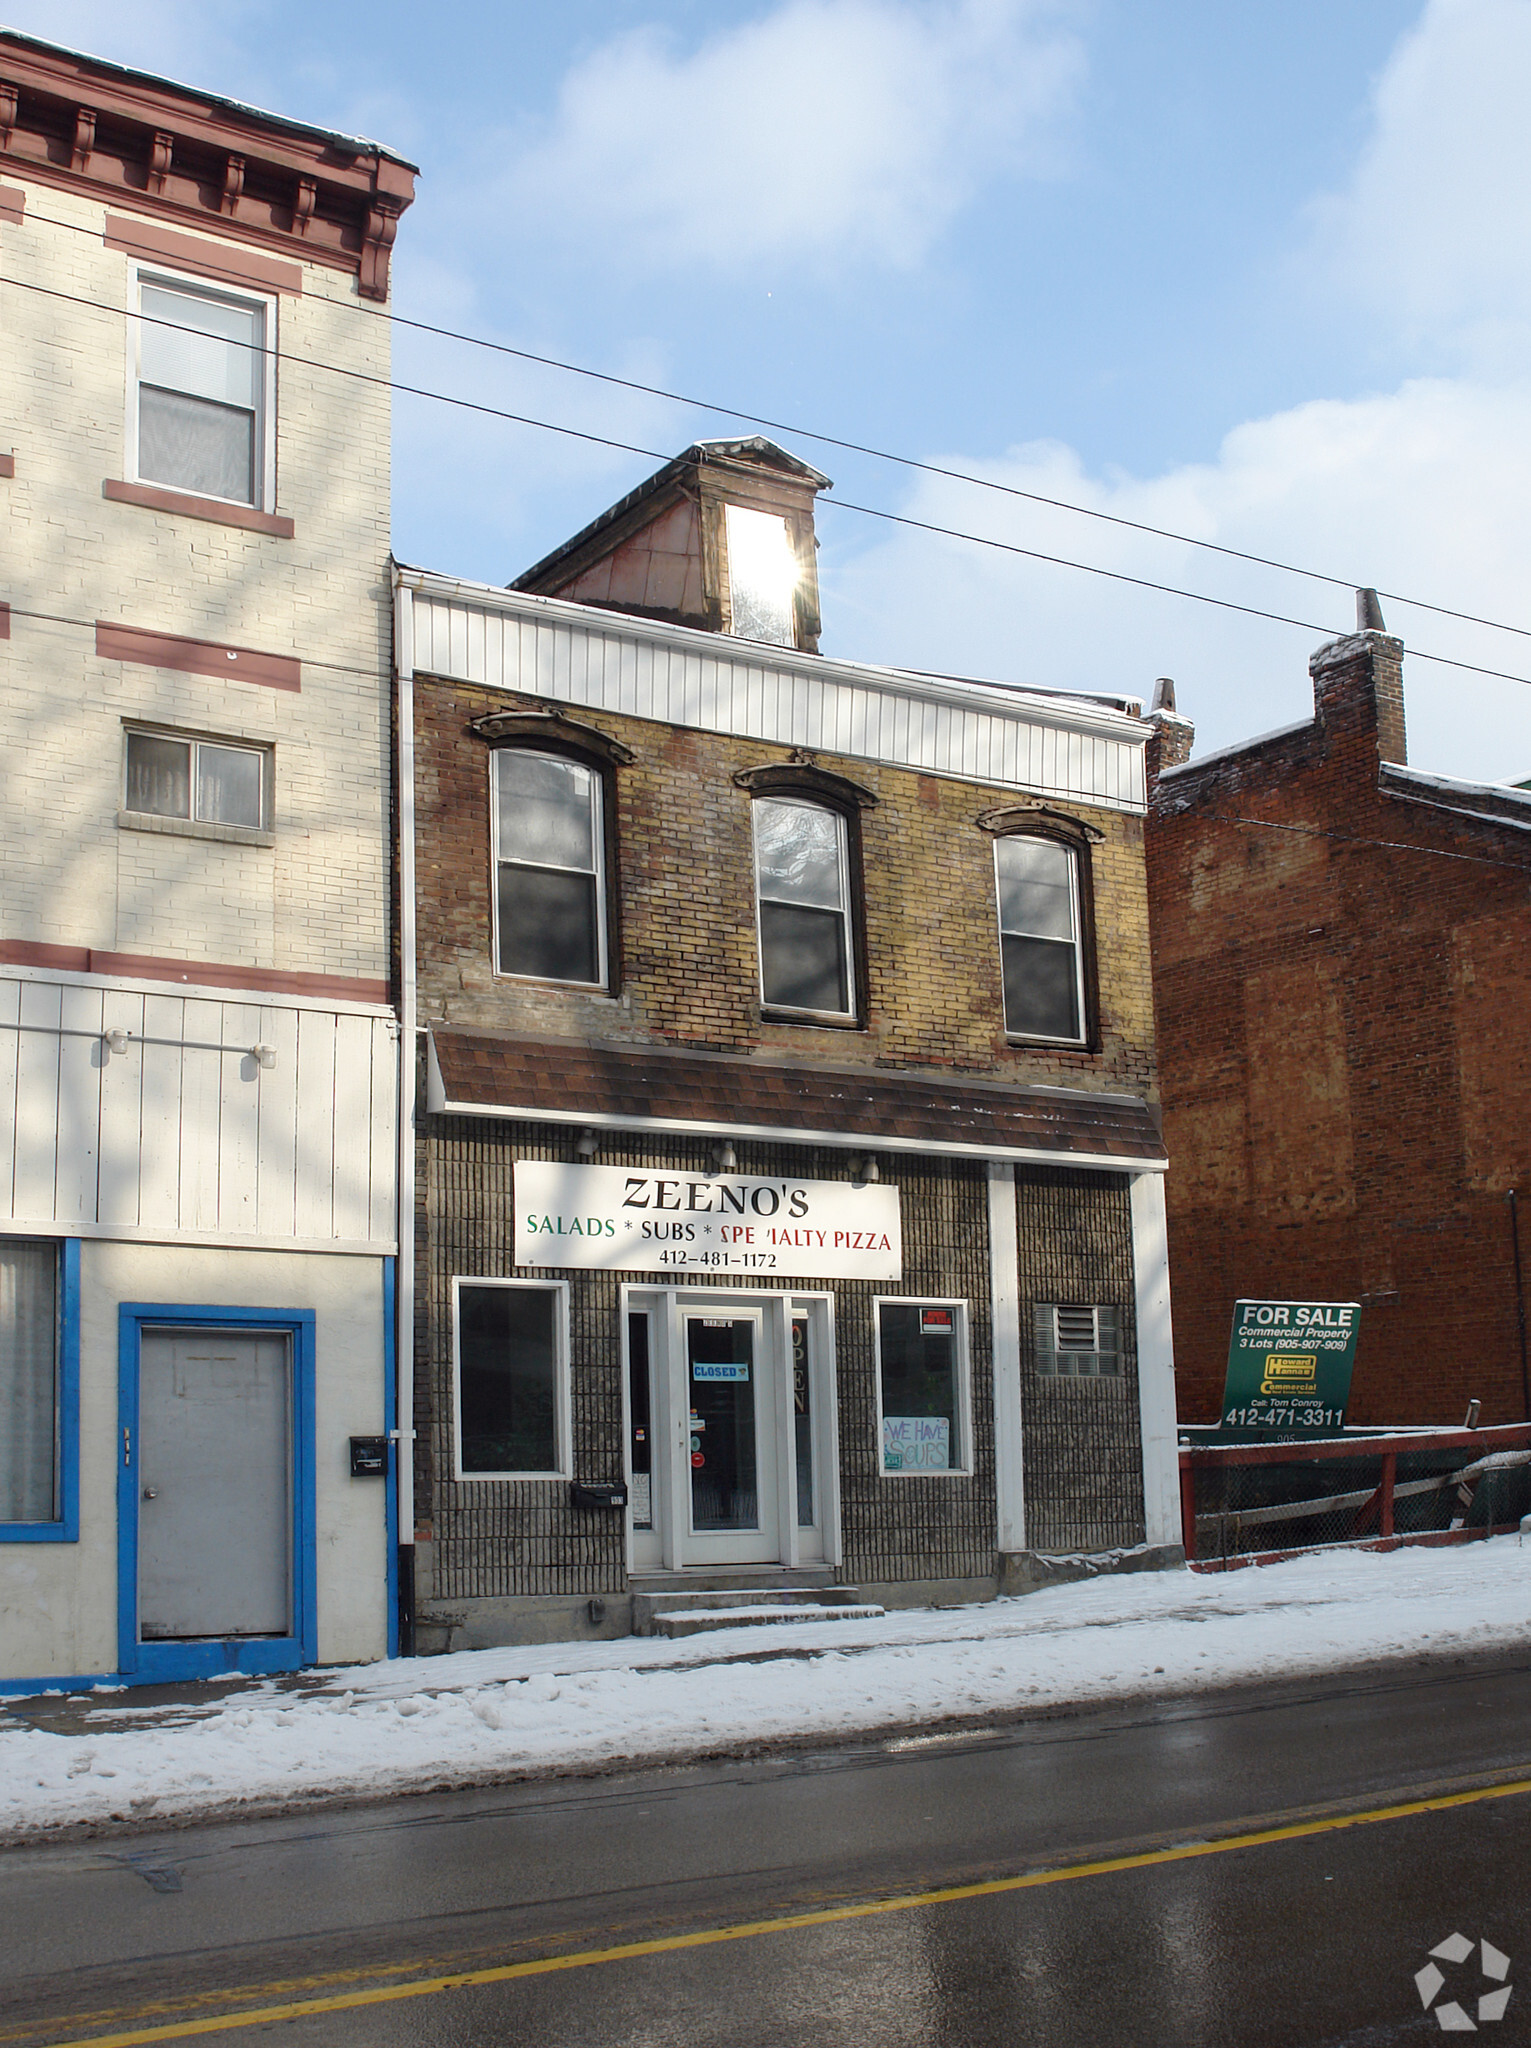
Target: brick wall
<point>317,900</point>
<point>684,860</point>
<point>1342,1050</point>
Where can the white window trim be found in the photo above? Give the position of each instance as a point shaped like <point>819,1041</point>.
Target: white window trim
<point>191,826</point>
<point>847,912</point>
<point>959,1306</point>
<point>602,983</point>
<point>140,274</point>
<point>562,1431</point>
<point>1082,1037</point>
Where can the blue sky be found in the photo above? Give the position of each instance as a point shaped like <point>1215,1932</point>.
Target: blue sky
<point>1258,273</point>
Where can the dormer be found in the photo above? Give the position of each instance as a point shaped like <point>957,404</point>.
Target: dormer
<point>721,538</point>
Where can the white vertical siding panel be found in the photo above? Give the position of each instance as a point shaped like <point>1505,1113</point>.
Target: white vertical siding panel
<point>37,1084</point>
<point>10,1016</point>
<point>201,1108</point>
<point>382,1216</point>
<point>276,1172</point>
<point>732,687</point>
<point>353,1124</point>
<point>314,1206</point>
<point>160,1119</point>
<point>122,1086</point>
<point>239,1120</point>
<point>476,630</point>
<point>79,1105</point>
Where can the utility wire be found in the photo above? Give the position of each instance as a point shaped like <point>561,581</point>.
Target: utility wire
<point>867,511</point>
<point>912,462</point>
<point>1486,860</point>
<point>1217,818</point>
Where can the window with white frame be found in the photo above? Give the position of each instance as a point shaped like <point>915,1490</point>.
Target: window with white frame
<point>1078,1340</point>
<point>29,1380</point>
<point>922,1385</point>
<point>207,782</point>
<point>550,867</point>
<point>511,1353</point>
<point>762,577</point>
<point>203,390</point>
<point>1041,955</point>
<point>803,896</point>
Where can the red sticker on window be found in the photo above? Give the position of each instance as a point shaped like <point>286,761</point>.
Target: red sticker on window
<point>935,1319</point>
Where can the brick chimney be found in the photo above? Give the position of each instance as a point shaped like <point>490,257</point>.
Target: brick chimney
<point>1173,736</point>
<point>1358,682</point>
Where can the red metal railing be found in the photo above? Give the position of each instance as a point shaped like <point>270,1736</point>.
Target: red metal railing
<point>1270,1497</point>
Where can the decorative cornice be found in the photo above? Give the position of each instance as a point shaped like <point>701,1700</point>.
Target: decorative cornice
<point>552,727</point>
<point>199,161</point>
<point>1009,820</point>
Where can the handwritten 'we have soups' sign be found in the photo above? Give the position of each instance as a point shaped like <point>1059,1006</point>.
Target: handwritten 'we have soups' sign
<point>637,1221</point>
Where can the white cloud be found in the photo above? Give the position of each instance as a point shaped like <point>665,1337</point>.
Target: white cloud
<point>1419,490</point>
<point>1434,231</point>
<point>822,129</point>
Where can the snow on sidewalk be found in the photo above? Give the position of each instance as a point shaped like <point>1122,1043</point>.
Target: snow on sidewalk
<point>487,1715</point>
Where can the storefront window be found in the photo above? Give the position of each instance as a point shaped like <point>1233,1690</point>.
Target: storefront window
<point>511,1394</point>
<point>922,1382</point>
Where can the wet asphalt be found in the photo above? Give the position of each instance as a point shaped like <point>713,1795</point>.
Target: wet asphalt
<point>1311,1935</point>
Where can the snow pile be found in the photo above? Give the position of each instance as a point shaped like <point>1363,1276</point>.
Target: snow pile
<point>492,1714</point>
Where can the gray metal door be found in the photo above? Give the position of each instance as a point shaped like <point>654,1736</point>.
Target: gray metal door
<point>215,1484</point>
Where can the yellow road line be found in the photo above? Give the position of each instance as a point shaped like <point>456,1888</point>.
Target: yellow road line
<point>827,1916</point>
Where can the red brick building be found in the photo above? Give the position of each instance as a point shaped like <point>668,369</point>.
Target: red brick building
<point>1342,984</point>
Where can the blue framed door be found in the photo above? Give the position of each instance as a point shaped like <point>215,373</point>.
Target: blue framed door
<point>215,1490</point>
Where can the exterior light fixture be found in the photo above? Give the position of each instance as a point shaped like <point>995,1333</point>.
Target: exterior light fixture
<point>588,1145</point>
<point>264,1056</point>
<point>727,1158</point>
<point>869,1172</point>
<point>116,1040</point>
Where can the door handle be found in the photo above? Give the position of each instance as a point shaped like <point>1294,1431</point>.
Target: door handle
<point>151,1493</point>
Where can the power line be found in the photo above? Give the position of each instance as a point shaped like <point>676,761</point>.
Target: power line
<point>925,468</point>
<point>866,511</point>
<point>1518,867</point>
<point>1217,817</point>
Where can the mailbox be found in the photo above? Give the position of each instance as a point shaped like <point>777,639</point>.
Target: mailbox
<point>602,1496</point>
<point>369,1457</point>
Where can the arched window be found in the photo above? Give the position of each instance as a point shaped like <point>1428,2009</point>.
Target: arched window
<point>549,867</point>
<point>550,805</point>
<point>807,885</point>
<point>1041,877</point>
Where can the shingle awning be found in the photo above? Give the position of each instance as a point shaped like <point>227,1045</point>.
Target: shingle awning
<point>718,1094</point>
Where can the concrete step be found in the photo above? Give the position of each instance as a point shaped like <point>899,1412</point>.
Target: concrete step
<point>696,1621</point>
<point>764,1594</point>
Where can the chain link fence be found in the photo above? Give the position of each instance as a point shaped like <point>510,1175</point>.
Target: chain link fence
<point>1244,1501</point>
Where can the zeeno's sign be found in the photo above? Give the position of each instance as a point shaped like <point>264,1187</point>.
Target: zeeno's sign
<point>636,1220</point>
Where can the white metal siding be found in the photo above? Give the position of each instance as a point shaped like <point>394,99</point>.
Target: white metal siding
<point>605,663</point>
<point>179,1138</point>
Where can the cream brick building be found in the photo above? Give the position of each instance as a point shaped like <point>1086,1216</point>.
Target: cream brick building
<point>198,1056</point>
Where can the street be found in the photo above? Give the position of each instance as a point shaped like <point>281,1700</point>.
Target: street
<point>1279,1863</point>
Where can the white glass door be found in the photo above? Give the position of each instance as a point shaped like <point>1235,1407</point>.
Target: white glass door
<point>730,1411</point>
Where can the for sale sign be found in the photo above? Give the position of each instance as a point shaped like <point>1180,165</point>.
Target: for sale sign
<point>1289,1365</point>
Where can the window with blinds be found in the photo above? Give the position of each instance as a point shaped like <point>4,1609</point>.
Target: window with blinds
<point>1077,1340</point>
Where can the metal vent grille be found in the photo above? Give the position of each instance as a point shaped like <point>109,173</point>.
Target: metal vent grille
<point>1077,1341</point>
<point>1075,1328</point>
